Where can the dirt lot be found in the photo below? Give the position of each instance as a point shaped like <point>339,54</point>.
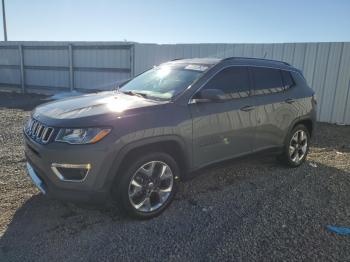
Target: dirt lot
<point>242,210</point>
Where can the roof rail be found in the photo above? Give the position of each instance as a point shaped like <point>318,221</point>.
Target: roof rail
<point>256,58</point>
<point>176,59</point>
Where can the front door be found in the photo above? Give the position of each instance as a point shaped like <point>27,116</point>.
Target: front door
<point>224,129</point>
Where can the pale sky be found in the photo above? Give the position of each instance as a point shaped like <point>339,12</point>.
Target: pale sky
<point>179,21</point>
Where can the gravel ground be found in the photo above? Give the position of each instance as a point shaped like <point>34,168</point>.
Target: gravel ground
<point>242,210</point>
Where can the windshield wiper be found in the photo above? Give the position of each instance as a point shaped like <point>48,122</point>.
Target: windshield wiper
<point>132,93</point>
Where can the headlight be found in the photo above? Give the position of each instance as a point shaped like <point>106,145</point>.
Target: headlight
<point>81,135</point>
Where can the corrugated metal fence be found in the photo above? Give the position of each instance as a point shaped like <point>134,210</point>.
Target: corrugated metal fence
<point>99,65</point>
<point>59,65</point>
<point>326,66</point>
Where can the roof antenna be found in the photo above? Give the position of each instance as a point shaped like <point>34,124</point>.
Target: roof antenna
<point>265,55</point>
<point>116,88</point>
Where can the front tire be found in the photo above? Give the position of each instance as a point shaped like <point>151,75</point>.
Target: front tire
<point>296,146</point>
<point>147,185</point>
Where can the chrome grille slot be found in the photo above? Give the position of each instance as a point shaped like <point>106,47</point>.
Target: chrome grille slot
<point>35,126</point>
<point>47,134</point>
<point>38,131</point>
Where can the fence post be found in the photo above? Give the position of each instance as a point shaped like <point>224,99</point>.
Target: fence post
<point>71,72</point>
<point>21,60</point>
<point>132,60</point>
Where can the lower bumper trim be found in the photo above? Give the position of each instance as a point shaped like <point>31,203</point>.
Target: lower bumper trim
<point>36,180</point>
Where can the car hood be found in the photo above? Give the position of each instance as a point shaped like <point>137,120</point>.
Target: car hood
<point>109,104</point>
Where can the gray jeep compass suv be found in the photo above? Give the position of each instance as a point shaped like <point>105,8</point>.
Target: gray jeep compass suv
<point>134,143</point>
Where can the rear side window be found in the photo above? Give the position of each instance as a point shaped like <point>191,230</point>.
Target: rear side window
<point>267,80</point>
<point>233,81</point>
<point>287,79</point>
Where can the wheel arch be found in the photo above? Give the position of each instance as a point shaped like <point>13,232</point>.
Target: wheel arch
<point>307,122</point>
<point>173,145</point>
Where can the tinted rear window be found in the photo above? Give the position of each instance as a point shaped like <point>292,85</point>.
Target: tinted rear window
<point>267,80</point>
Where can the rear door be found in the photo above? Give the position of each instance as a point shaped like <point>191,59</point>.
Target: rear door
<point>224,129</point>
<point>273,109</point>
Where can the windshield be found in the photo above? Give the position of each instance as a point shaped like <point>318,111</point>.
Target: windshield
<point>162,82</point>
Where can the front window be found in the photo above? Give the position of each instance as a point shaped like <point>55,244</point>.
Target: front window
<point>164,82</point>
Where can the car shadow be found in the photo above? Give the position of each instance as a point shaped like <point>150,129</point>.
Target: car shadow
<point>25,102</point>
<point>43,229</point>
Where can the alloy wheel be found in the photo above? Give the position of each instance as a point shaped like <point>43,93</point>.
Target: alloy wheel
<point>298,146</point>
<point>151,186</point>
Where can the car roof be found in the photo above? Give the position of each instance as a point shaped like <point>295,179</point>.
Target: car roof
<point>259,62</point>
<point>201,61</point>
<point>247,61</point>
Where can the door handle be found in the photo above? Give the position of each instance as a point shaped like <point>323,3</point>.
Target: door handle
<point>247,108</point>
<point>289,100</point>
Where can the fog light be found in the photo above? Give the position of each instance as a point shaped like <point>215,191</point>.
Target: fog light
<point>71,172</point>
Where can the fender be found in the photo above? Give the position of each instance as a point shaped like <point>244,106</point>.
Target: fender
<point>310,117</point>
<point>113,172</point>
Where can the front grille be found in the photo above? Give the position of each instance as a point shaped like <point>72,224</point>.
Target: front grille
<point>38,131</point>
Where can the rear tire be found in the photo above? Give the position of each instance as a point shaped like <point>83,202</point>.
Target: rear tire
<point>147,185</point>
<point>296,147</point>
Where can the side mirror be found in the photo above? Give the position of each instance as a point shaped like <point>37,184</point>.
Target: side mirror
<point>208,95</point>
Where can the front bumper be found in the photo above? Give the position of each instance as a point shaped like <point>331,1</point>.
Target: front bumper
<point>36,180</point>
<point>52,191</point>
<point>94,188</point>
